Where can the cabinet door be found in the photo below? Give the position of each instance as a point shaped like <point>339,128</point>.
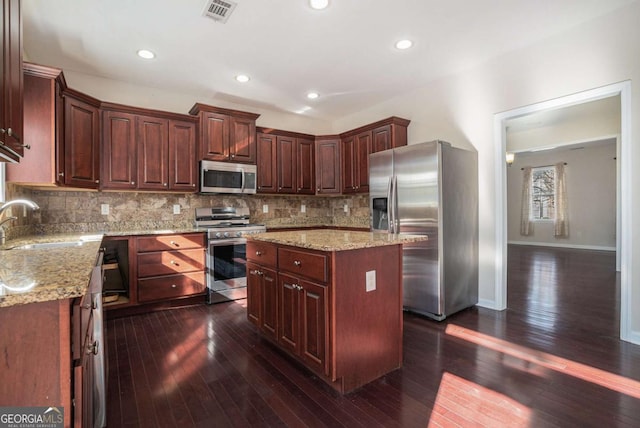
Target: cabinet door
<point>305,167</point>
<point>286,160</point>
<point>81,144</point>
<point>328,167</point>
<point>242,142</point>
<point>269,309</point>
<point>348,165</point>
<point>381,139</point>
<point>254,294</point>
<point>314,327</point>
<point>183,173</point>
<point>267,168</point>
<point>153,152</point>
<point>11,109</point>
<point>214,138</point>
<point>289,310</point>
<point>363,150</point>
<point>118,150</point>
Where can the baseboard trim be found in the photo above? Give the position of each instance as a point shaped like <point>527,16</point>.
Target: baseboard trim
<point>553,244</point>
<point>489,304</point>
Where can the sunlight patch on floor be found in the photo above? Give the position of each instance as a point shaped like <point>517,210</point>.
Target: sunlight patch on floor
<point>461,402</point>
<point>584,372</point>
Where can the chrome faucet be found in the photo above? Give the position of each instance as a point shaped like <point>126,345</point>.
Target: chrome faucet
<point>8,204</point>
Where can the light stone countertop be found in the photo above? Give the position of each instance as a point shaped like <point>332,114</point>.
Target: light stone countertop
<point>40,275</point>
<point>335,240</point>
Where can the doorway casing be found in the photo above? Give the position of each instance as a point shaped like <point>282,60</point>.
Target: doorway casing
<point>623,89</point>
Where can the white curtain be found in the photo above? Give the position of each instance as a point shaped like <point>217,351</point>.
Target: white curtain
<point>526,227</point>
<point>561,224</point>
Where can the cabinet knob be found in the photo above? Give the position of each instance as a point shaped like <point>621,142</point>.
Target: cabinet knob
<point>133,183</point>
<point>97,181</point>
<point>193,185</point>
<point>173,286</point>
<point>10,133</point>
<point>164,184</point>
<point>297,263</point>
<point>233,156</point>
<point>258,253</point>
<point>174,243</point>
<point>61,174</point>
<point>93,348</point>
<point>173,262</point>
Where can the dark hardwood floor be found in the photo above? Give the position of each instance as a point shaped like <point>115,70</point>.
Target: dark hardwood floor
<point>552,359</point>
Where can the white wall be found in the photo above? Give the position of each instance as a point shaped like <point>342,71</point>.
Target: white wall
<point>591,194</point>
<point>461,108</point>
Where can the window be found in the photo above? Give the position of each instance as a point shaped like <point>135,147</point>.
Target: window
<point>543,193</point>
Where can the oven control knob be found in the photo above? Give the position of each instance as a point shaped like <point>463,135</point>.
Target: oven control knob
<point>218,235</point>
<point>226,234</point>
<point>238,234</point>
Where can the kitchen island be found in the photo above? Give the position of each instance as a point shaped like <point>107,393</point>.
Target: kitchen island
<point>332,299</point>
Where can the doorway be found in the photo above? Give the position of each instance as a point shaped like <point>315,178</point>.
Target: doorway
<point>623,90</point>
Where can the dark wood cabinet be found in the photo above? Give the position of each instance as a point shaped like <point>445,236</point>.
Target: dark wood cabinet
<point>267,181</point>
<point>183,165</point>
<point>152,141</point>
<point>148,149</point>
<point>43,128</point>
<point>11,105</point>
<point>226,135</point>
<point>328,315</point>
<point>286,162</point>
<point>327,165</point>
<point>81,140</point>
<point>119,162</point>
<point>359,143</point>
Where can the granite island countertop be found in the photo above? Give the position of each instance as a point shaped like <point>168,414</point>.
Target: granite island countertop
<point>335,240</point>
<point>40,275</point>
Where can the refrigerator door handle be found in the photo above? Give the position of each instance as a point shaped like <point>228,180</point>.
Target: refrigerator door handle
<point>390,205</point>
<point>393,202</point>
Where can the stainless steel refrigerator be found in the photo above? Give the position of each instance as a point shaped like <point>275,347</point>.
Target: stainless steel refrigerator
<point>430,189</point>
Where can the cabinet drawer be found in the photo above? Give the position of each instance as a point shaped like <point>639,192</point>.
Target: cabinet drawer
<point>170,262</point>
<point>262,253</point>
<point>171,286</point>
<point>170,242</point>
<point>311,265</point>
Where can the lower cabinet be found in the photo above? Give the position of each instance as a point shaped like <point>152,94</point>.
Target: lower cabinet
<point>316,306</point>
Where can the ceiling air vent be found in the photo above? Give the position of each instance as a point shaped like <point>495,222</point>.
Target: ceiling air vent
<point>219,10</point>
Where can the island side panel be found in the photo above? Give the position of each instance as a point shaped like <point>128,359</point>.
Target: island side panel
<point>367,325</point>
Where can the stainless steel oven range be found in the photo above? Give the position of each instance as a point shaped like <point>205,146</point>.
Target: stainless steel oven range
<point>226,262</point>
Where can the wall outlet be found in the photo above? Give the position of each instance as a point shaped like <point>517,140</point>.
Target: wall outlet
<point>265,208</point>
<point>104,209</point>
<point>303,208</point>
<point>176,209</point>
<point>371,281</point>
<point>346,208</point>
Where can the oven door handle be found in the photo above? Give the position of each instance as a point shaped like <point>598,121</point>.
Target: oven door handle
<point>226,241</point>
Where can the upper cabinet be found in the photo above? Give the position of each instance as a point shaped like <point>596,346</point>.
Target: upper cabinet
<point>11,128</point>
<point>226,135</point>
<point>286,162</point>
<point>359,143</point>
<point>328,165</point>
<point>81,142</point>
<point>147,149</point>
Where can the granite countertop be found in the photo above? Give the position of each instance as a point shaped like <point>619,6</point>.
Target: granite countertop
<point>40,275</point>
<point>335,240</point>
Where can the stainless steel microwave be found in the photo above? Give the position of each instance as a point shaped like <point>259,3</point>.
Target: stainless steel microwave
<point>227,177</point>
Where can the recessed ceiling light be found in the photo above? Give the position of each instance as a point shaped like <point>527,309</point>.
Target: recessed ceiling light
<point>242,78</point>
<point>313,95</point>
<point>404,44</point>
<point>318,4</point>
<point>146,54</point>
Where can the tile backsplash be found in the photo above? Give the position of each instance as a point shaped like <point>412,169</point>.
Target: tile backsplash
<point>64,211</point>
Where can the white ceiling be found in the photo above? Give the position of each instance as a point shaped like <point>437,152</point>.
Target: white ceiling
<point>345,52</point>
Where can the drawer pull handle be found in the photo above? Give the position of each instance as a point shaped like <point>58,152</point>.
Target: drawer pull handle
<point>297,263</point>
<point>173,286</point>
<point>258,253</point>
<point>93,348</point>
